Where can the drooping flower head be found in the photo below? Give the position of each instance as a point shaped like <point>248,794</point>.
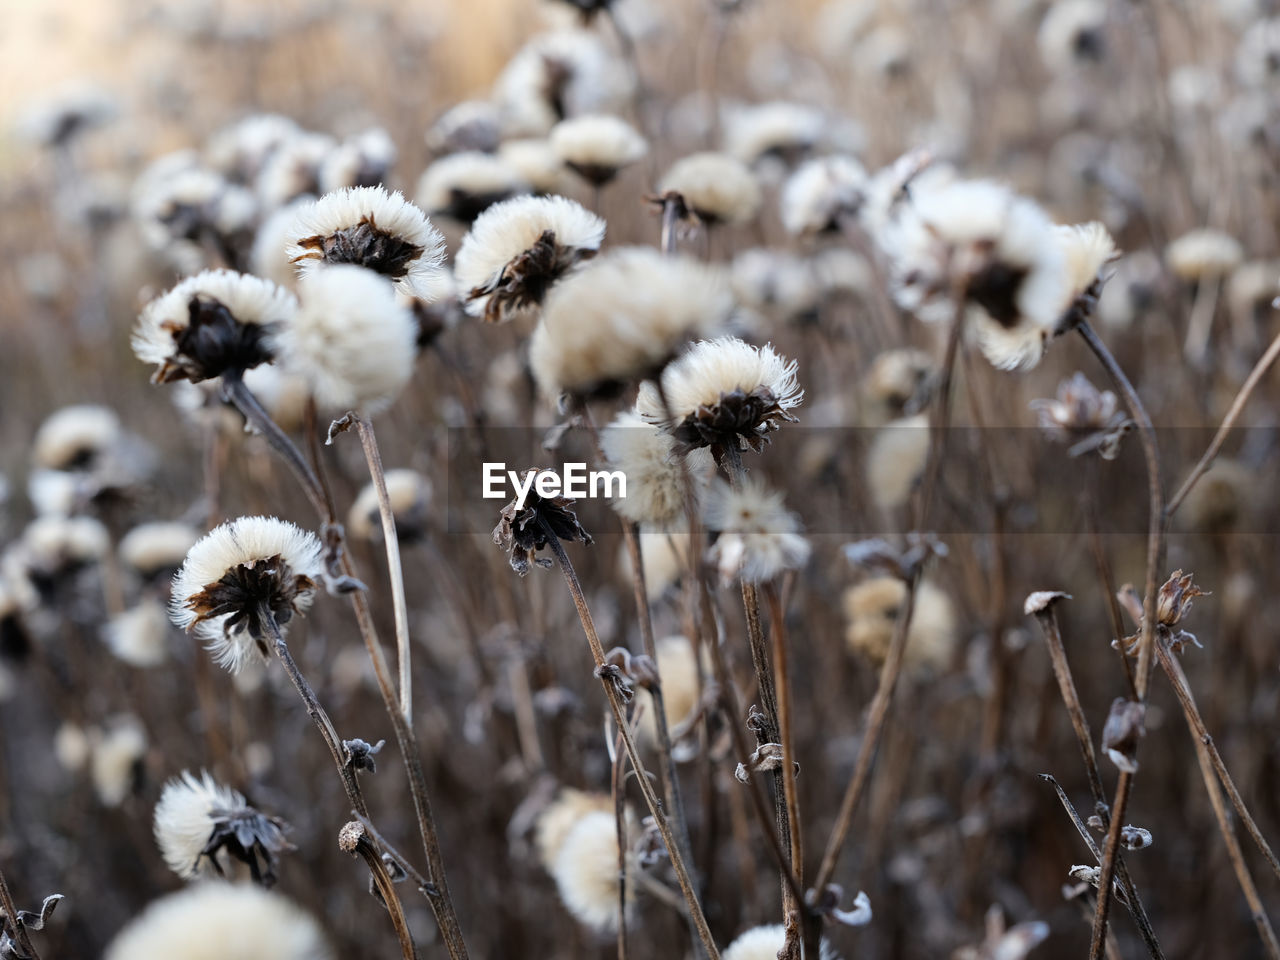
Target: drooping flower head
<point>516,250</point>
<point>241,578</point>
<point>214,323</point>
<point>759,538</point>
<point>723,392</point>
<point>202,826</point>
<point>351,340</point>
<point>526,527</point>
<point>622,318</point>
<point>370,228</point>
<point>765,943</point>
<point>157,548</point>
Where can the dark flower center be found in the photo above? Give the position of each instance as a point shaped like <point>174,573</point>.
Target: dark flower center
<point>735,416</point>
<point>995,289</point>
<point>366,246</point>
<point>524,281</point>
<point>250,593</point>
<point>212,343</point>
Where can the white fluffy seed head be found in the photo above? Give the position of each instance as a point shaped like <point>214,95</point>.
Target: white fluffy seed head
<point>140,636</point>
<point>269,257</point>
<point>759,538</point>
<point>586,871</point>
<point>712,370</point>
<point>53,544</point>
<point>894,382</point>
<point>246,542</point>
<point>896,460</point>
<point>678,670</point>
<point>536,163</point>
<point>410,496</point>
<point>1201,254</point>
<point>493,248</point>
<point>1087,248</point>
<point>351,340</point>
<point>184,819</point>
<point>214,920</point>
<point>363,160</point>
<point>116,753</point>
<point>597,146</point>
<point>469,125</point>
<point>564,73</point>
<point>73,435</point>
<point>371,228</point>
<point>780,130</point>
<point>647,457</point>
<point>776,283</point>
<point>871,609</point>
<point>765,943</point>
<point>560,817</point>
<point>251,302</point>
<point>293,169</point>
<point>463,185</point>
<point>240,150</point>
<point>717,187</point>
<point>150,548</point>
<point>622,317</point>
<point>1072,33</point>
<point>821,192</point>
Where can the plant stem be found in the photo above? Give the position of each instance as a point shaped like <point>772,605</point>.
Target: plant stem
<point>778,633</point>
<point>620,821</point>
<point>646,788</point>
<point>10,911</point>
<point>365,849</point>
<point>1233,413</point>
<point>369,441</point>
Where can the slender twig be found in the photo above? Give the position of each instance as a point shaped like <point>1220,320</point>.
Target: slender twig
<point>940,414</point>
<point>11,914</point>
<point>369,441</point>
<point>1233,413</point>
<point>620,821</point>
<point>670,221</point>
<point>354,840</point>
<point>642,778</point>
<point>1199,732</point>
<point>875,726</point>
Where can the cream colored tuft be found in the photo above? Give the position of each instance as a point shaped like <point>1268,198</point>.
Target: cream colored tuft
<point>559,818</point>
<point>51,544</point>
<point>116,753</point>
<point>678,672</point>
<point>597,142</point>
<point>1201,254</point>
<point>184,820</point>
<point>821,192</point>
<point>268,257</point>
<point>359,161</point>
<point>214,920</point>
<point>778,129</point>
<point>896,460</point>
<point>759,538</point>
<point>73,433</point>
<point>717,187</point>
<point>410,496</point>
<point>293,169</point>
<point>140,636</point>
<point>152,547</point>
<point>645,454</point>
<point>871,609</point>
<point>563,73</point>
<point>586,871</point>
<point>351,340</point>
<point>622,317</point>
<point>387,213</point>
<point>1071,32</point>
<point>1088,249</point>
<point>462,181</point>
<point>765,943</point>
<point>537,164</point>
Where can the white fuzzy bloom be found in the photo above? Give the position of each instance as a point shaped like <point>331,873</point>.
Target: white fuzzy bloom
<point>622,317</point>
<point>717,187</point>
<point>565,73</point>
<point>1087,248</point>
<point>140,636</point>
<point>178,206</point>
<point>472,125</point>
<point>724,370</point>
<point>410,496</point>
<point>646,455</point>
<point>50,545</point>
<point>759,538</point>
<point>73,435</point>
<point>775,282</point>
<point>64,115</point>
<point>282,393</point>
<point>586,871</point>
<point>117,751</point>
<point>370,228</point>
<point>150,548</point>
<point>840,272</point>
<point>780,130</point>
<point>293,169</point>
<point>1204,253</point>
<point>71,747</point>
<point>214,921</point>
<point>1257,60</point>
<point>351,339</point>
<point>363,160</point>
<point>883,53</point>
<point>184,819</point>
<point>1072,31</point>
<point>665,557</point>
<point>765,943</point>
<point>249,302</point>
<point>896,460</point>
<point>839,25</point>
<point>597,146</point>
<point>536,163</point>
<point>463,185</point>
<point>507,261</point>
<point>240,150</point>
<point>268,257</point>
<point>893,383</point>
<point>1251,290</point>
<point>559,817</point>
<point>270,562</point>
<point>678,672</point>
<point>821,192</point>
<point>871,609</point>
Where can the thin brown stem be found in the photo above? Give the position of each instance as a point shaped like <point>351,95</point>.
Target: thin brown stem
<point>1233,413</point>
<point>11,914</point>
<point>941,413</point>
<point>646,787</point>
<point>354,836</point>
<point>620,822</point>
<point>778,633</point>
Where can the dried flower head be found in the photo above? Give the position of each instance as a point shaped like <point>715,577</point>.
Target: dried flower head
<point>678,672</point>
<point>73,437</point>
<point>1088,249</point>
<point>565,73</point>
<point>370,228</point>
<point>243,580</point>
<point>140,636</point>
<point>586,871</point>
<point>871,609</point>
<point>622,318</point>
<point>410,496</point>
<point>213,323</point>
<point>1083,416</point>
<point>463,185</point>
<point>214,921</point>
<point>115,761</point>
<point>646,455</point>
<point>1174,600</point>
<point>723,392</point>
<point>240,150</point>
<point>363,160</point>
<point>471,126</point>
<point>766,943</point>
<point>1073,32</point>
<point>1201,254</point>
<point>351,340</point>
<point>716,187</point>
<point>898,384</point>
<point>597,146</point>
<point>525,529</point>
<point>537,164</point>
<point>517,250</point>
<point>158,548</point>
<point>822,195</point>
<point>559,817</point>
<point>759,538</point>
<point>293,169</point>
<point>779,130</point>
<point>53,547</point>
<point>776,283</point>
<point>202,826</point>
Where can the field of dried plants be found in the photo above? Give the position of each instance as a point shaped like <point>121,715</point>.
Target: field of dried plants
<point>934,341</point>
